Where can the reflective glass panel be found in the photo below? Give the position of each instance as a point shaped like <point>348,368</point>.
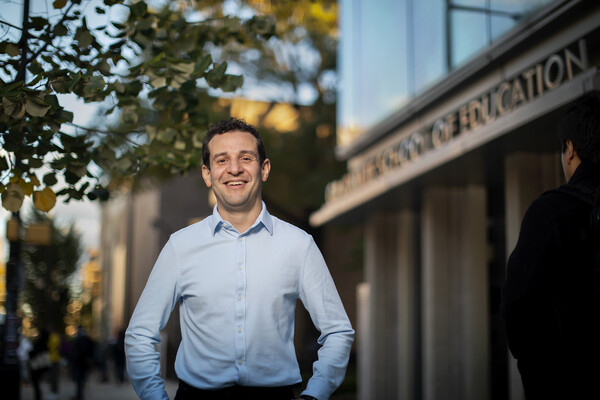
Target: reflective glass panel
<point>468,35</point>
<point>429,42</point>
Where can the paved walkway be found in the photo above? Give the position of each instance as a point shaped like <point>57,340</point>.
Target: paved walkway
<point>94,389</point>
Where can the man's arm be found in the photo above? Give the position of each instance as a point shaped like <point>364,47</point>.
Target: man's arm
<point>524,303</point>
<point>150,316</point>
<point>321,299</point>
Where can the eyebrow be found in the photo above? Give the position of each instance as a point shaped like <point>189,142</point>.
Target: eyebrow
<point>251,152</point>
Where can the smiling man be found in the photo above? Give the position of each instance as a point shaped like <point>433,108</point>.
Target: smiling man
<point>236,276</point>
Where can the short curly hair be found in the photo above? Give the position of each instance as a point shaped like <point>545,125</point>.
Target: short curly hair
<point>580,124</point>
<point>232,125</point>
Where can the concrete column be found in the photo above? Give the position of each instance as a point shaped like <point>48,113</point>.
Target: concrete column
<point>527,175</point>
<point>387,308</point>
<point>455,300</point>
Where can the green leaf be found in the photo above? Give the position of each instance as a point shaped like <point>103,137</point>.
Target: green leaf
<point>36,110</point>
<point>50,179</point>
<point>167,135</point>
<point>203,64</point>
<point>139,9</point>
<point>77,168</point>
<point>94,84</point>
<point>35,163</point>
<point>35,68</point>
<point>61,30</point>
<point>71,178</point>
<point>38,23</point>
<point>3,163</point>
<point>12,49</point>
<point>215,76</point>
<point>84,37</point>
<point>129,117</point>
<point>232,83</point>
<point>100,10</point>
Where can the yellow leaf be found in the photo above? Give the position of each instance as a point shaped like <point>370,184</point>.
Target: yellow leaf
<point>34,180</point>
<point>27,187</point>
<point>58,4</point>
<point>44,200</point>
<point>12,197</point>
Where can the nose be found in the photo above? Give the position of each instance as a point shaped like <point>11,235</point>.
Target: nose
<point>234,167</point>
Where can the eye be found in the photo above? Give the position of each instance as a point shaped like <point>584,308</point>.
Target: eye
<point>220,161</point>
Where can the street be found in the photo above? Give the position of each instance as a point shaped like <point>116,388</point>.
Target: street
<point>94,390</point>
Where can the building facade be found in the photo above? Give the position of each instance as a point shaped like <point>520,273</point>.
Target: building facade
<point>447,116</point>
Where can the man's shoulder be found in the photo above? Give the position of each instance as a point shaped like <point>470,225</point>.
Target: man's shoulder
<point>192,230</point>
<point>285,229</point>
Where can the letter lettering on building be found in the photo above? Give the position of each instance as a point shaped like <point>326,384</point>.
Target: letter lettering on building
<point>552,80</point>
<point>475,114</point>
<point>439,134</point>
<point>500,96</point>
<point>518,95</point>
<point>528,76</point>
<point>581,62</point>
<point>463,119</point>
<point>488,108</point>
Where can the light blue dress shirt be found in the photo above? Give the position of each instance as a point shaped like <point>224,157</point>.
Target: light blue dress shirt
<point>237,295</point>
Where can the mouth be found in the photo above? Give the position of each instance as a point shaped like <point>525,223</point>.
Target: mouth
<point>235,183</point>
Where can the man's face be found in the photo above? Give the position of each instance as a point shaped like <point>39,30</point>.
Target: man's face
<point>235,173</point>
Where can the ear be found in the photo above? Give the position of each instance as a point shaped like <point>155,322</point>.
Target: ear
<point>266,170</point>
<point>206,176</point>
<point>570,153</point>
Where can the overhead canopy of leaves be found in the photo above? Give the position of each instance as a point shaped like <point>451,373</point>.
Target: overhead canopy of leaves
<point>137,59</point>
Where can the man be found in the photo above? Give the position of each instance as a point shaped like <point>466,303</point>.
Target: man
<point>82,358</point>
<point>550,300</point>
<point>236,276</point>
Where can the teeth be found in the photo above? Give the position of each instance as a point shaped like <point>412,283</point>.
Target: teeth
<point>235,183</point>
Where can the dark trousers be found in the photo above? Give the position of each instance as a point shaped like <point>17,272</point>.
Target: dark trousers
<point>188,392</point>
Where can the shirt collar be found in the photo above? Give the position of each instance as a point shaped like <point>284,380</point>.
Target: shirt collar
<point>264,218</point>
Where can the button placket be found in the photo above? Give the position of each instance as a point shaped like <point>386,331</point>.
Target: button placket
<point>240,306</point>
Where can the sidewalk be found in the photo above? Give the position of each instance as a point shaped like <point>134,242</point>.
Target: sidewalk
<point>94,389</point>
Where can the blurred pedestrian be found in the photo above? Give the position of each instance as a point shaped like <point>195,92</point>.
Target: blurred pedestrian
<point>119,356</point>
<point>23,350</point>
<point>55,358</point>
<point>39,362</point>
<point>82,358</point>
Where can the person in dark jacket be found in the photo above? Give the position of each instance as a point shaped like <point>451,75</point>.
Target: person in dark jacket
<point>82,356</point>
<point>39,362</point>
<point>551,297</point>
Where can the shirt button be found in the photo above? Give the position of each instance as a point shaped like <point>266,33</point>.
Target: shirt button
<point>239,298</point>
<point>239,330</point>
<point>240,239</point>
<point>240,267</point>
<point>239,362</point>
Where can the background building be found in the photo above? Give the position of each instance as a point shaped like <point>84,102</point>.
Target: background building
<point>446,119</point>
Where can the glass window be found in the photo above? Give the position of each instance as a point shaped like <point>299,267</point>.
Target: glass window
<point>368,60</point>
<point>392,50</point>
<point>469,34</point>
<point>428,42</point>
